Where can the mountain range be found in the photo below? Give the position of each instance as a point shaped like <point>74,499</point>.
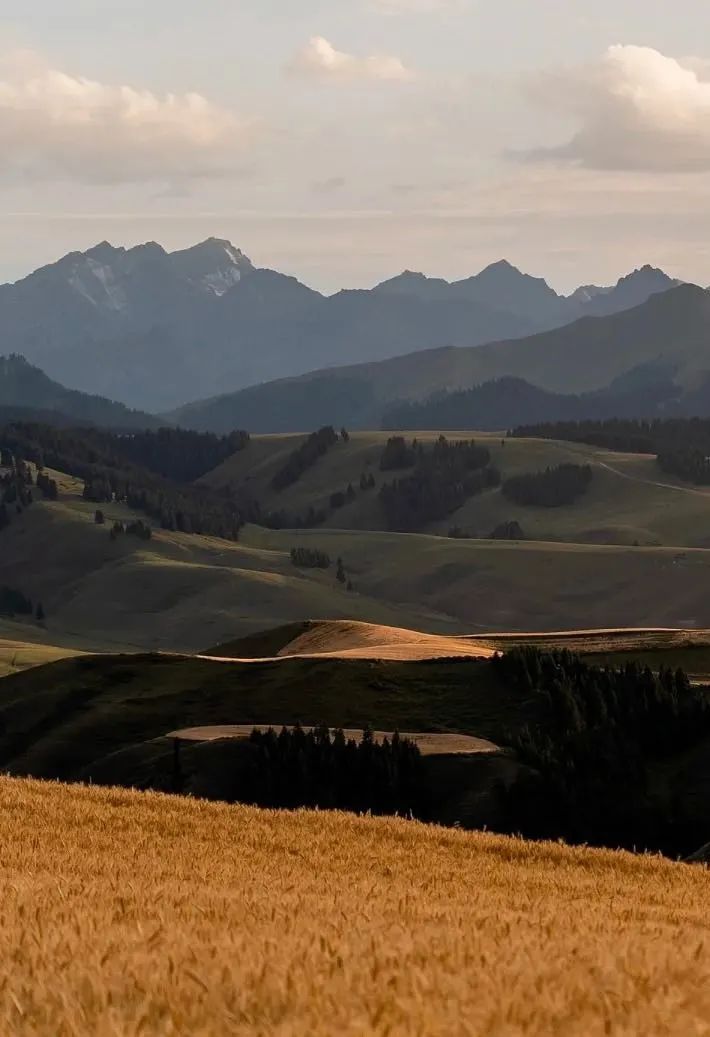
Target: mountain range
<point>655,356</point>
<point>155,329</point>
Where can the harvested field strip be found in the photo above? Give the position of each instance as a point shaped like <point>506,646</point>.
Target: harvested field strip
<point>429,744</point>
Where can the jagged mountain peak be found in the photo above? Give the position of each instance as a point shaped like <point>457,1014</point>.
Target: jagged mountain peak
<point>215,265</point>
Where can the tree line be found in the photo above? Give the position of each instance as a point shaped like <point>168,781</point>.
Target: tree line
<point>14,603</point>
<point>444,477</point>
<point>626,435</point>
<point>551,488</point>
<point>15,485</point>
<point>305,456</point>
<point>310,558</point>
<point>398,454</point>
<point>317,768</point>
<point>96,457</point>
<point>593,749</point>
<point>681,445</point>
<point>180,454</point>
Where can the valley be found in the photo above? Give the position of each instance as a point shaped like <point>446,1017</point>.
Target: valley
<point>354,519</point>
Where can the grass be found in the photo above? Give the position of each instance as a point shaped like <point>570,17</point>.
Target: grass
<point>126,913</point>
<point>20,655</point>
<point>476,586</point>
<point>622,507</point>
<point>181,593</point>
<point>57,721</point>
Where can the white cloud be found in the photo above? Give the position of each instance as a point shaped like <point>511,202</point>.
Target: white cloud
<point>637,108</point>
<point>320,60</point>
<point>55,124</point>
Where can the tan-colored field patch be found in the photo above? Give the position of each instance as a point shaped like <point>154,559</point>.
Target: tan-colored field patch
<point>429,744</point>
<point>375,641</point>
<point>137,914</point>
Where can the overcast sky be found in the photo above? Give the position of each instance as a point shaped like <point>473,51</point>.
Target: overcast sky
<point>345,140</point>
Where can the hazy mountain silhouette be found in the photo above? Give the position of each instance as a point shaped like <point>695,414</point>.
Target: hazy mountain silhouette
<point>662,346</point>
<point>154,329</point>
<point>26,391</point>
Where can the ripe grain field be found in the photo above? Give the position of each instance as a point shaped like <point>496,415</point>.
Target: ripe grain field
<point>124,913</point>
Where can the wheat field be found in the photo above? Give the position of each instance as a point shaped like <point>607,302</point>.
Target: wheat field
<point>124,914</point>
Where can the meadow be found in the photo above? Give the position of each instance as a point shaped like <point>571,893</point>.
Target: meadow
<point>630,500</point>
<point>579,567</point>
<point>128,913</point>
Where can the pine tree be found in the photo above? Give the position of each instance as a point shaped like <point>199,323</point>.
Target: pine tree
<point>340,574</point>
<point>39,613</point>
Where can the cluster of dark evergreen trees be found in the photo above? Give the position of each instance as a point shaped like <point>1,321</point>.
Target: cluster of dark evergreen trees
<point>552,488</point>
<point>47,486</point>
<point>444,477</point>
<point>14,603</point>
<point>304,457</point>
<point>598,736</point>
<point>138,529</point>
<point>298,768</point>
<point>15,485</point>
<point>689,464</point>
<point>179,454</point>
<point>342,497</point>
<point>311,518</point>
<point>310,558</point>
<point>627,435</point>
<point>511,530</point>
<point>399,454</point>
<point>681,445</point>
<point>97,457</point>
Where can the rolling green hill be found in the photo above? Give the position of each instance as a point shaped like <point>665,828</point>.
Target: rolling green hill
<point>181,593</point>
<point>630,500</point>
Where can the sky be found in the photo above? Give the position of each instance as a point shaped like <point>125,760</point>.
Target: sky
<point>343,141</point>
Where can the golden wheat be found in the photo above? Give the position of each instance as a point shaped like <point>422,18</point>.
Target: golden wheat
<point>125,914</point>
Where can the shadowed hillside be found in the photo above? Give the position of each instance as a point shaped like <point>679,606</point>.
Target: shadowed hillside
<point>669,329</point>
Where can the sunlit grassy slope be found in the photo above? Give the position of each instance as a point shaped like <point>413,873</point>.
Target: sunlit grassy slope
<point>183,593</point>
<point>625,504</point>
<point>20,655</point>
<point>137,914</point>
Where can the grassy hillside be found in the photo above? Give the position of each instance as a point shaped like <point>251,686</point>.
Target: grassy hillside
<point>187,917</point>
<point>58,720</point>
<point>22,655</point>
<point>630,501</point>
<point>175,592</point>
<point>182,593</point>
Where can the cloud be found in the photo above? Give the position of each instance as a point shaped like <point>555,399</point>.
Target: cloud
<point>54,124</point>
<point>320,60</point>
<point>637,108</point>
<point>330,185</point>
<point>417,6</point>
